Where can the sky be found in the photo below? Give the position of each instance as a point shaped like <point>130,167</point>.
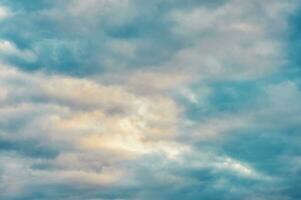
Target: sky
<point>150,100</point>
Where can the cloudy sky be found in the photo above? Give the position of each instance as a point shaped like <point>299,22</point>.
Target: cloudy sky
<point>150,100</point>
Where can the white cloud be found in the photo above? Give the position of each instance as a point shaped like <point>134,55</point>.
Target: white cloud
<point>238,168</point>
<point>84,118</point>
<point>218,126</point>
<point>234,41</point>
<point>158,81</point>
<point>4,12</point>
<point>91,11</point>
<point>14,175</point>
<point>7,48</point>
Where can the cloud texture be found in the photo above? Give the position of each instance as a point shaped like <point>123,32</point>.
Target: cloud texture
<point>143,100</point>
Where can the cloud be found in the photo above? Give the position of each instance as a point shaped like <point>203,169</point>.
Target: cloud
<point>238,168</point>
<point>4,12</point>
<point>229,42</point>
<point>8,50</point>
<point>128,99</point>
<point>57,123</point>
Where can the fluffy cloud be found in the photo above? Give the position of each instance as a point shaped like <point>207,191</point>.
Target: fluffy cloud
<point>73,121</point>
<point>229,41</point>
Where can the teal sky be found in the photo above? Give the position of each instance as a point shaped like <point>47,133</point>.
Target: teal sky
<point>150,100</point>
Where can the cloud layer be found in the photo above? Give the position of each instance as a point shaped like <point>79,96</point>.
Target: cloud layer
<point>140,100</point>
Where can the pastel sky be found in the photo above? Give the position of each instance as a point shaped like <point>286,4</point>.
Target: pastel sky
<point>150,100</point>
